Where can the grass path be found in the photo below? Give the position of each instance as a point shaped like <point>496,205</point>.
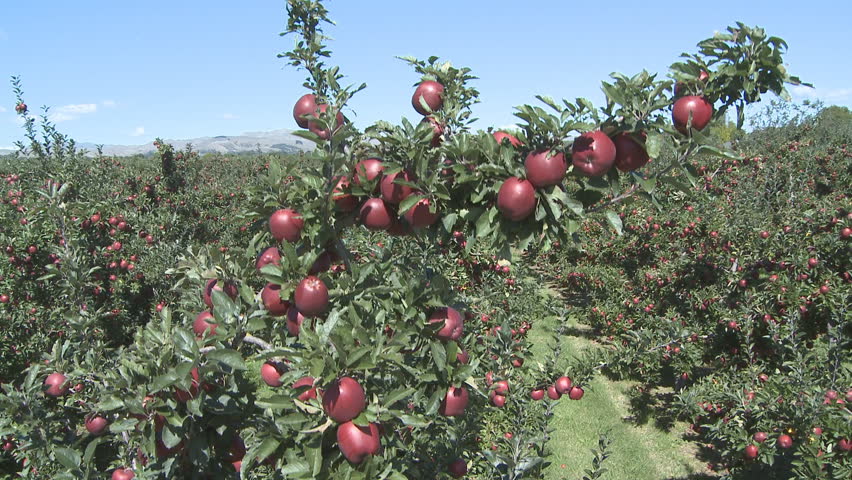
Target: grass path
<point>637,451</point>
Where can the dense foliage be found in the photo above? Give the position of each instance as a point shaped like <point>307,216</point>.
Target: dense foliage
<point>362,311</point>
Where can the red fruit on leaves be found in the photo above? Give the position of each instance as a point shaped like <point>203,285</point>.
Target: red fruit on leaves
<point>593,153</point>
<point>760,437</point>
<point>419,215</point>
<point>122,474</point>
<point>395,193</point>
<point>501,387</point>
<point>307,394</point>
<point>185,396</point>
<point>784,441</point>
<point>629,153</point>
<point>286,224</point>
<point>311,297</point>
<point>537,394</point>
<point>96,425</point>
<point>344,399</point>
<point>315,128</point>
<point>55,385</point>
<point>563,385</point>
<point>500,136</point>
<point>553,393</point>
<point>545,168</point>
<point>294,321</point>
<point>306,105</point>
<point>751,452</point>
<point>375,215</point>
<point>204,323</point>
<point>498,401</point>
<point>458,468</point>
<point>343,200</point>
<point>430,92</point>
<point>452,321</point>
<point>454,402</point>
<point>267,256</point>
<point>272,301</point>
<point>700,109</point>
<point>516,199</point>
<point>846,233</point>
<point>367,171</point>
<point>271,373</point>
<point>844,445</point>
<point>357,443</point>
<point>576,393</point>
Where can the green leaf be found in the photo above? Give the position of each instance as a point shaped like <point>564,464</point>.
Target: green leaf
<point>398,395</point>
<point>409,202</point>
<point>614,221</point>
<point>90,449</point>
<point>229,357</point>
<point>439,354</point>
<point>69,459</point>
<point>654,145</point>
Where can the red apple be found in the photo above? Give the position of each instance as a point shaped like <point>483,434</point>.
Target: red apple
<point>267,256</point>
<point>311,297</point>
<point>393,192</point>
<point>419,215</point>
<point>760,437</point>
<point>204,322</point>
<point>122,474</point>
<point>458,468</point>
<point>563,385</point>
<point>308,394</point>
<point>454,402</point>
<point>55,385</point>
<point>367,171</point>
<point>593,153</point>
<point>784,441</point>
<point>294,321</point>
<point>751,452</point>
<point>271,373</point>
<point>375,215</point>
<point>545,168</point>
<point>430,92</point>
<point>343,200</point>
<point>629,153</point>
<point>96,424</point>
<point>183,395</point>
<point>230,289</point>
<point>500,136</point>
<point>272,301</point>
<point>575,393</point>
<point>315,128</point>
<point>357,443</point>
<point>693,106</point>
<point>452,321</point>
<point>537,394</point>
<point>286,224</point>
<point>437,130</point>
<point>306,105</point>
<point>516,199</point>
<point>344,399</point>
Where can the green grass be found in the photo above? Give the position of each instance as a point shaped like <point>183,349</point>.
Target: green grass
<point>640,450</point>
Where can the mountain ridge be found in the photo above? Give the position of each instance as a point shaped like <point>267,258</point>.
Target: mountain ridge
<point>272,141</point>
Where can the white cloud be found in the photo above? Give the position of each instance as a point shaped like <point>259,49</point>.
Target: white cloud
<point>229,116</point>
<point>138,132</point>
<point>108,103</point>
<point>71,112</point>
<point>831,95</point>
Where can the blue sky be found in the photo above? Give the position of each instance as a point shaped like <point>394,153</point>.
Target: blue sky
<point>126,72</point>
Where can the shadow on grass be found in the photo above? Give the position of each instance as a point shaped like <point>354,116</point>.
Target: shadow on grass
<point>647,404</point>
<point>695,476</point>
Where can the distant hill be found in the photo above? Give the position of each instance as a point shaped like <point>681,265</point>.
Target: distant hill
<point>282,141</point>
